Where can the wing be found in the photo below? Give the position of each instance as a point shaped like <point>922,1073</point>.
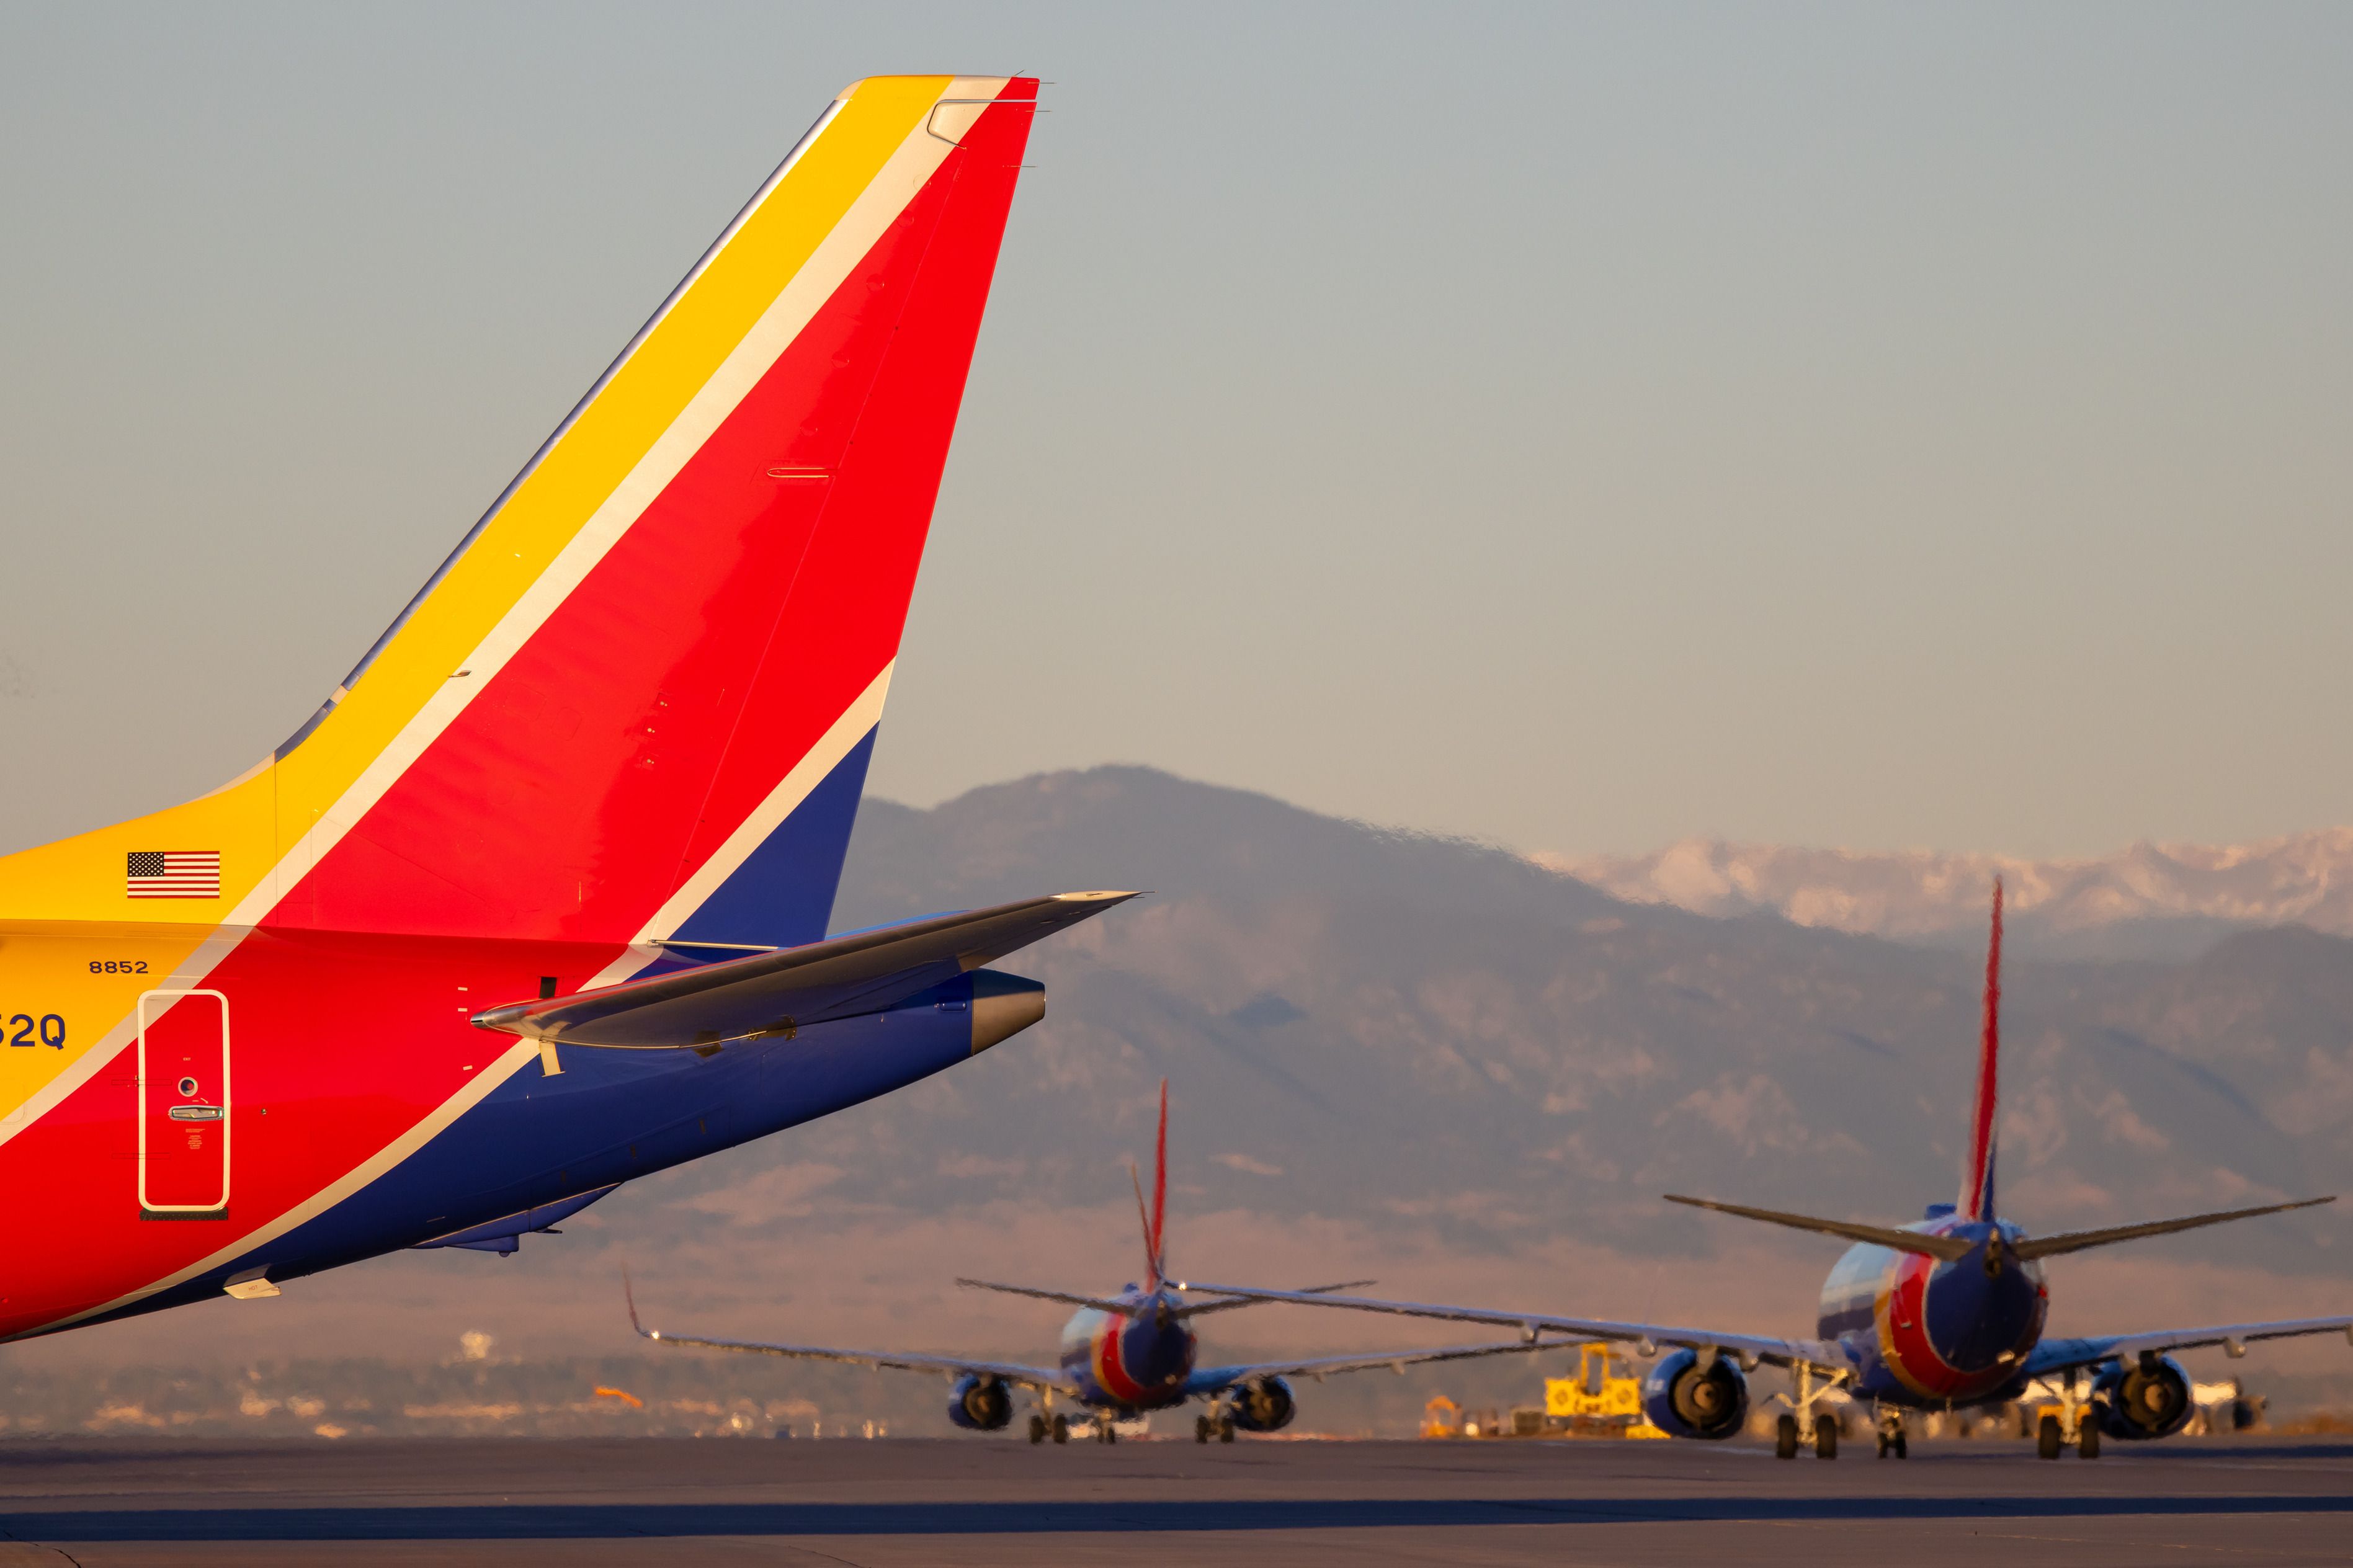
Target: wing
<point>1215,1379</point>
<point>1045,1379</point>
<point>2059,1355</point>
<point>1747,1349</point>
<point>775,992</point>
<point>1195,1309</point>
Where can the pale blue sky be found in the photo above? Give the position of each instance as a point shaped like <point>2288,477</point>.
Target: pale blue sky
<point>1576,426</point>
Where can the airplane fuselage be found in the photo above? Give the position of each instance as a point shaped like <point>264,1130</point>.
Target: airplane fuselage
<point>1137,1362</point>
<point>1925,1333</point>
<point>251,1114</point>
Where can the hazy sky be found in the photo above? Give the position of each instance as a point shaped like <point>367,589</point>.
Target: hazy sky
<point>1576,426</point>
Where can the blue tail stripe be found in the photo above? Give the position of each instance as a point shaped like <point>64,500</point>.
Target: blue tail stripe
<point>782,894</point>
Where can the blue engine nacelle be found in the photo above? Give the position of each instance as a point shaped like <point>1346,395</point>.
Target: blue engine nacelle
<point>980,1403</point>
<point>1262,1405</point>
<point>2138,1401</point>
<point>1684,1401</point>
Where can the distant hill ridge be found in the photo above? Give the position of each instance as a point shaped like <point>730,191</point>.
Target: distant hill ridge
<point>1340,993</point>
<point>2150,900</point>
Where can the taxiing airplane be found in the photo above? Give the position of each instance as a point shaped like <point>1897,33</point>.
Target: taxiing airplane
<point>536,902</point>
<point>1945,1312</point>
<point>1121,1355</point>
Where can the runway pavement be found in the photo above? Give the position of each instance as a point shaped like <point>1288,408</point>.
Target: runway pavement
<point>517,1504</point>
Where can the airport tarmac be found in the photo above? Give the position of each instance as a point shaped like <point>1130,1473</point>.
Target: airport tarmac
<point>518,1503</point>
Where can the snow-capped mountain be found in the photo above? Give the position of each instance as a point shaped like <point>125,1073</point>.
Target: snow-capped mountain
<point>2149,900</point>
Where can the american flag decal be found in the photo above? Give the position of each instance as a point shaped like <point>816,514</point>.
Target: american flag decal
<point>173,874</point>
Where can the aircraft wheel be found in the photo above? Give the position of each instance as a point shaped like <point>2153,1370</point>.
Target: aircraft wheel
<point>1225,1431</point>
<point>1061,1428</point>
<point>2087,1436</point>
<point>1902,1452</point>
<point>1825,1437</point>
<point>1785,1437</point>
<point>1111,1432</point>
<point>2046,1437</point>
<point>1037,1429</point>
<point>1200,1428</point>
<point>1883,1444</point>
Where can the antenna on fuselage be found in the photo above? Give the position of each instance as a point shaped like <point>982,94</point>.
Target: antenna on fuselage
<point>1976,1175</point>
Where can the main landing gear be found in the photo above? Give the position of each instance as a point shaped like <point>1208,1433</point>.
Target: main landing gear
<point>1825,1436</point>
<point>1802,1416</point>
<point>1048,1422</point>
<point>1205,1428</point>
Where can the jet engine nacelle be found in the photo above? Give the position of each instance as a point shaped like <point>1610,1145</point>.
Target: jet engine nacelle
<point>1262,1405</point>
<point>2136,1404</point>
<point>980,1403</point>
<point>1683,1399</point>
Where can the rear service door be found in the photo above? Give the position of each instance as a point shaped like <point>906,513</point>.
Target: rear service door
<point>184,1104</point>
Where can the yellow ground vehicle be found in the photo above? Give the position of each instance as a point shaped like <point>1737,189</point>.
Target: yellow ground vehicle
<point>1603,1400</point>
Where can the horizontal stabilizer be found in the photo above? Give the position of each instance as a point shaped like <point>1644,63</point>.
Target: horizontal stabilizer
<point>2078,1240</point>
<point>1943,1247</point>
<point>1129,1308</point>
<point>773,993</point>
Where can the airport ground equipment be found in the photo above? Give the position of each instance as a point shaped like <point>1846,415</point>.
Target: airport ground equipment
<point>1944,1312</point>
<point>1122,1354</point>
<point>538,900</point>
<point>1603,1400</point>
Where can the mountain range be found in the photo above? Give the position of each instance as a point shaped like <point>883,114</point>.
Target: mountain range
<point>2150,900</point>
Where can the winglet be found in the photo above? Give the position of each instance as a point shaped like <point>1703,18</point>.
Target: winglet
<point>1977,1176</point>
<point>630,1297</point>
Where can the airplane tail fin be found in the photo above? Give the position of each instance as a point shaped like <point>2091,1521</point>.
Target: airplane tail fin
<point>1977,1174</point>
<point>636,703</point>
<point>1154,1258</point>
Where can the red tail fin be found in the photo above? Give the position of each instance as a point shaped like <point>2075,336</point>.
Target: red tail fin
<point>1153,1218</point>
<point>1977,1176</point>
<point>1160,1187</point>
